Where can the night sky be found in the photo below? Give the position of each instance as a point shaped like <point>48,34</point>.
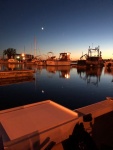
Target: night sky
<point>57,26</point>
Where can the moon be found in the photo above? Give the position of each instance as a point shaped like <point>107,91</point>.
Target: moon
<point>42,28</point>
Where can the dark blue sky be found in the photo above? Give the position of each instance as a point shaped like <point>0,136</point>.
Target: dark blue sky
<point>69,26</point>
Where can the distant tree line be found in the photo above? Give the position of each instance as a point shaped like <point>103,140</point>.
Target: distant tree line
<point>10,52</point>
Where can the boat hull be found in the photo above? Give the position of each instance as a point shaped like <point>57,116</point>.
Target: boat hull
<point>40,63</point>
<point>57,63</point>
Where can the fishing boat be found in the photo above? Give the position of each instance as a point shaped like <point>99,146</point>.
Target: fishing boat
<point>92,59</point>
<point>38,61</point>
<point>64,60</point>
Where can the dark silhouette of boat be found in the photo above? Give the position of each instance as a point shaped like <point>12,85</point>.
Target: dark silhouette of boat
<point>92,59</point>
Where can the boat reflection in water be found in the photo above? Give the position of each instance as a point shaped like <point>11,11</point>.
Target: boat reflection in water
<point>9,74</point>
<point>64,71</point>
<point>109,71</point>
<point>12,66</point>
<point>91,75</point>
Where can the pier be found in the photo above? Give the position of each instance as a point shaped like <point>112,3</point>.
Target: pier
<point>16,73</point>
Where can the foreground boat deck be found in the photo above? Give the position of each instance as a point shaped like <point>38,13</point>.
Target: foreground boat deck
<point>42,122</point>
<point>58,123</point>
<point>101,130</point>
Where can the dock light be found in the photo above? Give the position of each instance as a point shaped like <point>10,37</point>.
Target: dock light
<point>23,54</point>
<point>67,76</point>
<point>18,57</point>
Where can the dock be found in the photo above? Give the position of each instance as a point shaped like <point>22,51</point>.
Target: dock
<point>16,73</point>
<point>49,126</point>
<point>13,80</point>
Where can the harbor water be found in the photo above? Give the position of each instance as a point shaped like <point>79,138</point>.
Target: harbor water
<point>67,85</point>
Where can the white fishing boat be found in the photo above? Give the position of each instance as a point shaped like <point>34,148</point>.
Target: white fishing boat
<point>64,60</point>
<point>38,61</point>
<point>92,59</point>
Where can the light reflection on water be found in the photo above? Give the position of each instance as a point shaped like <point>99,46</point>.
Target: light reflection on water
<point>68,86</point>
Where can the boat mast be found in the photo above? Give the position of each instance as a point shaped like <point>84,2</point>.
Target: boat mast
<point>35,46</point>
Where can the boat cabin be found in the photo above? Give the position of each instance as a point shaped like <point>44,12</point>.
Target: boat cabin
<point>64,56</point>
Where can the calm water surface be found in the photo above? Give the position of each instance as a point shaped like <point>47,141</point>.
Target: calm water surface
<point>68,86</point>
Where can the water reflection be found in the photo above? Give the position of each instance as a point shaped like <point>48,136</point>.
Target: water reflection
<point>14,80</point>
<point>90,75</point>
<point>51,83</point>
<point>64,71</point>
<point>109,71</point>
<point>11,66</point>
